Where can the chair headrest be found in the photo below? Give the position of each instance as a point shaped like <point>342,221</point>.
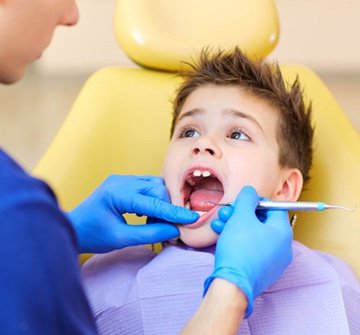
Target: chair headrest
<point>160,34</point>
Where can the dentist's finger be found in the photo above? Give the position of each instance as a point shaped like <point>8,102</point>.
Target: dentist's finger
<point>149,206</point>
<point>154,179</point>
<point>245,204</point>
<point>158,191</point>
<point>217,225</point>
<point>225,213</point>
<point>147,234</point>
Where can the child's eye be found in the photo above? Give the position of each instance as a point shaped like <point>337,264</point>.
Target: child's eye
<point>239,135</point>
<point>189,132</point>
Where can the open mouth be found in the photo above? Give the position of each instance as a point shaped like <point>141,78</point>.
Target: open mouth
<point>202,189</point>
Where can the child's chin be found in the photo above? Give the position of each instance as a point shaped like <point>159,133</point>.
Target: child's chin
<point>200,237</point>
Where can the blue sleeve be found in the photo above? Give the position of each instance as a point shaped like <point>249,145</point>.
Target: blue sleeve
<point>40,284</point>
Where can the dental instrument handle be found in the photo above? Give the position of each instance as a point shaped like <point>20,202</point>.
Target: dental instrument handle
<point>300,206</point>
<point>293,205</point>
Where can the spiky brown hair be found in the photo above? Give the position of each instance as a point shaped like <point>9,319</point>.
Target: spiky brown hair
<point>265,81</point>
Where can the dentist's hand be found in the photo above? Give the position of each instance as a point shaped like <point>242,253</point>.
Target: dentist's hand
<point>251,253</point>
<point>100,226</point>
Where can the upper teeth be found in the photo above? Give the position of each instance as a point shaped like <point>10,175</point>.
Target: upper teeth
<point>198,173</point>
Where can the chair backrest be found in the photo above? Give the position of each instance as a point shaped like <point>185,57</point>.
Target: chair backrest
<point>120,123</point>
<point>160,34</point>
<point>335,176</point>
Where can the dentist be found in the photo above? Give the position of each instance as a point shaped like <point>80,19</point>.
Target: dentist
<point>40,282</point>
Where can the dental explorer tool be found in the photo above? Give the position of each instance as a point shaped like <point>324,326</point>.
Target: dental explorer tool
<point>302,206</point>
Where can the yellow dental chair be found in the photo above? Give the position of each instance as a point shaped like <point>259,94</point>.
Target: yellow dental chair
<point>120,123</point>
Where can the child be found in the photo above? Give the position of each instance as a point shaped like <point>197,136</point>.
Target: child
<point>235,123</point>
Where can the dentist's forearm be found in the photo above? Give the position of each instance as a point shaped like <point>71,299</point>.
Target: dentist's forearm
<point>221,311</point>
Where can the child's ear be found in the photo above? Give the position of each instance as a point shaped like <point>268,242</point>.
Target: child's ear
<point>290,187</point>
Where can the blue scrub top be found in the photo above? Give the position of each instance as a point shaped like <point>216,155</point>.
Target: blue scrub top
<point>40,283</point>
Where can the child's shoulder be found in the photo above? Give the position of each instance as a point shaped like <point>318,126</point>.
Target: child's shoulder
<point>322,264</point>
<point>314,293</point>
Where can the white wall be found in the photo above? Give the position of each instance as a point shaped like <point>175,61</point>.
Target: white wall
<point>89,45</point>
<point>322,34</point>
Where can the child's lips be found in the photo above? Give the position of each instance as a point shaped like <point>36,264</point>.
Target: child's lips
<point>204,218</point>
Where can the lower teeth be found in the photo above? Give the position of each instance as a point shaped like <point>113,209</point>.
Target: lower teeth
<point>187,205</point>
<point>200,212</point>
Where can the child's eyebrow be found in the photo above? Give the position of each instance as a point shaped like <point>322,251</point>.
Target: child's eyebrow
<point>239,114</point>
<point>192,112</point>
<point>225,112</point>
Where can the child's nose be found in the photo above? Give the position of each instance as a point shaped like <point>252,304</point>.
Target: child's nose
<point>205,146</point>
<point>70,16</point>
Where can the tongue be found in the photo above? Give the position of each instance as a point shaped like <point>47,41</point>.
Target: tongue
<point>201,200</point>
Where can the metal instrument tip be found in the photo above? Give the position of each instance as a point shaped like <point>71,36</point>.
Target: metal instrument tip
<point>341,207</point>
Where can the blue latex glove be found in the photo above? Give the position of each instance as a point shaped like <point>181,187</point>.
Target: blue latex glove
<point>251,253</point>
<point>100,226</point>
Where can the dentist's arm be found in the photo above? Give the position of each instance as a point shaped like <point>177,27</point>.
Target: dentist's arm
<point>250,256</point>
<point>99,223</point>
<point>220,312</point>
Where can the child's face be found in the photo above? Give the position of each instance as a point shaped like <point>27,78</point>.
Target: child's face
<point>224,139</point>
